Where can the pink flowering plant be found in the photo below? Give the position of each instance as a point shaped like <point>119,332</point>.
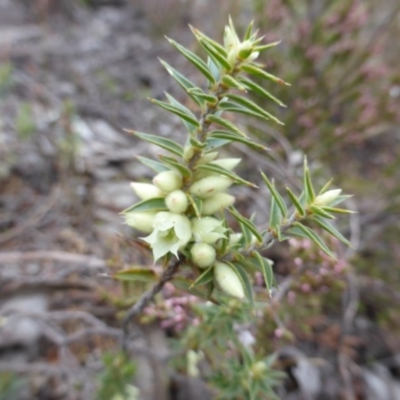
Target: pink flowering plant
<point>185,214</point>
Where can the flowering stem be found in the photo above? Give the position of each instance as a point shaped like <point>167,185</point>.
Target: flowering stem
<point>145,299</point>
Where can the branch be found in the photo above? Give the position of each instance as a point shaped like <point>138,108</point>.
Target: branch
<point>145,298</point>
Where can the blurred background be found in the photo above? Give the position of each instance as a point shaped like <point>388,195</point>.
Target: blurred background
<point>74,74</point>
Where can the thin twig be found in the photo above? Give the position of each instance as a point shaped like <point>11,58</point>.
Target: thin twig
<point>145,298</point>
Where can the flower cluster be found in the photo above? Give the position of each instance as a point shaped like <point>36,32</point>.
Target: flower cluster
<point>181,225</point>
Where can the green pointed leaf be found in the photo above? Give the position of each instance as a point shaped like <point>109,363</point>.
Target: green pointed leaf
<point>220,170</point>
<point>236,108</point>
<point>185,83</point>
<point>201,36</point>
<point>215,54</point>
<point>154,165</point>
<point>244,278</point>
<point>256,88</point>
<point>275,217</point>
<point>231,137</point>
<point>164,143</point>
<point>296,203</point>
<point>260,73</point>
<point>326,187</point>
<point>265,266</point>
<point>138,274</point>
<point>338,210</point>
<point>249,30</point>
<point>205,277</point>
<point>278,198</point>
<point>155,204</point>
<point>249,224</point>
<point>197,205</point>
<point>195,60</point>
<point>264,47</point>
<point>214,69</point>
<point>250,105</point>
<point>247,235</point>
<point>215,143</point>
<point>320,211</point>
<point>310,234</point>
<point>184,114</point>
<point>231,82</point>
<point>308,186</point>
<point>225,124</point>
<point>330,229</point>
<point>203,96</point>
<point>176,164</point>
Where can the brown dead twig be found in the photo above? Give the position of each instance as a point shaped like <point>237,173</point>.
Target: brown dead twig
<point>144,299</point>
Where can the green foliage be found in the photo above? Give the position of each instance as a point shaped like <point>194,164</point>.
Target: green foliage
<point>115,382</point>
<point>10,385</point>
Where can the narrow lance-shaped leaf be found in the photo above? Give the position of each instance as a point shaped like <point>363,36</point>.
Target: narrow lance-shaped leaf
<point>203,96</point>
<point>308,186</point>
<point>235,138</point>
<point>245,222</point>
<point>231,82</point>
<point>320,211</point>
<point>244,102</point>
<point>138,274</point>
<point>184,114</point>
<point>185,83</point>
<point>260,73</point>
<point>220,170</point>
<point>215,54</point>
<point>275,217</point>
<point>338,210</point>
<point>265,266</point>
<point>325,187</point>
<point>200,35</point>
<point>205,277</point>
<point>340,199</point>
<point>176,164</point>
<point>296,203</point>
<point>197,205</point>
<point>330,229</point>
<point>236,108</point>
<point>256,88</point>
<point>195,60</point>
<point>278,198</point>
<point>154,165</point>
<point>263,47</point>
<point>309,233</point>
<point>225,124</point>
<point>249,31</point>
<point>164,143</point>
<point>244,278</point>
<point>155,204</point>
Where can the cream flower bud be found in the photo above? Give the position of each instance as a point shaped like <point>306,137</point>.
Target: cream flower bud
<point>210,185</point>
<point>207,158</point>
<point>146,191</point>
<point>234,238</point>
<point>177,201</point>
<point>203,255</point>
<point>168,181</point>
<point>231,40</point>
<point>227,163</point>
<point>327,197</point>
<point>188,152</point>
<point>142,221</point>
<point>217,202</point>
<point>228,280</point>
